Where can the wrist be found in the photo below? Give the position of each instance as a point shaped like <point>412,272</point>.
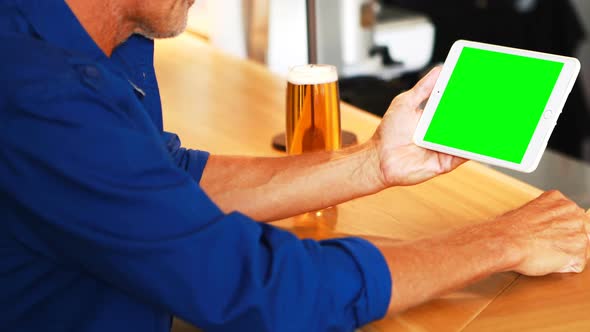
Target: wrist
<point>369,167</point>
<point>503,244</point>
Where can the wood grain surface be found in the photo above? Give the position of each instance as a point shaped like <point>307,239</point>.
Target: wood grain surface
<point>230,106</point>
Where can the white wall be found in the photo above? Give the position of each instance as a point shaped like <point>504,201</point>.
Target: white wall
<point>287,35</point>
<point>222,21</point>
<point>199,18</point>
<point>583,7</point>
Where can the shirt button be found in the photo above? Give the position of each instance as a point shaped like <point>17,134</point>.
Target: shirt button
<point>144,75</point>
<point>91,72</point>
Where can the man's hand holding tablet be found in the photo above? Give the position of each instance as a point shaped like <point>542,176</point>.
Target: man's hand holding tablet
<point>495,104</point>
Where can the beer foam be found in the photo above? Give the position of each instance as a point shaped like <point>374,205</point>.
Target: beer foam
<point>312,74</point>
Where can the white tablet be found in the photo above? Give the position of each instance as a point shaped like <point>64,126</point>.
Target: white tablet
<point>495,104</point>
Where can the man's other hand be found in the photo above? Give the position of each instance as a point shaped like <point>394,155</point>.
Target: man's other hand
<point>550,235</point>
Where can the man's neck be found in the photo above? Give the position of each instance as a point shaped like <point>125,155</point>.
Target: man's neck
<point>104,21</point>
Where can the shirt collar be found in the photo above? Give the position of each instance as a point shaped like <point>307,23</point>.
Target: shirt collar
<point>54,21</point>
<point>136,51</point>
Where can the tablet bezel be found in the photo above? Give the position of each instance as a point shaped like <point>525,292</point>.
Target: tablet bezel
<point>544,128</point>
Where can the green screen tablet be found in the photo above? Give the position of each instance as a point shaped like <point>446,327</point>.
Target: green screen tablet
<point>490,101</point>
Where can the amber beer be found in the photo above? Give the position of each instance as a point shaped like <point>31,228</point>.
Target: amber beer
<point>313,109</point>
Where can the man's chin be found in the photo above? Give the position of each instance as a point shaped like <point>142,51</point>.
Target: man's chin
<point>159,36</point>
<point>162,34</point>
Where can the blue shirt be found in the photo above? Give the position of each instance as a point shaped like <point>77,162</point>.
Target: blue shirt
<point>103,225</point>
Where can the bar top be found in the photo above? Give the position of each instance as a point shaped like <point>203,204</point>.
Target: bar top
<point>230,106</point>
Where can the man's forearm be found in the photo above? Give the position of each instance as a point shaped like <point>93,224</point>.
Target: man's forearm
<point>274,188</point>
<point>427,268</point>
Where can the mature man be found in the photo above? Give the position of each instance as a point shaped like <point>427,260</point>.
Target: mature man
<point>109,225</point>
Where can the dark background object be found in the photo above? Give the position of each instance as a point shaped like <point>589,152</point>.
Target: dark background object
<point>550,26</point>
<point>371,93</point>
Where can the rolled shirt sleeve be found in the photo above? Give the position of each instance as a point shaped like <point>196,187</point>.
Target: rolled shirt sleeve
<point>374,273</point>
<point>192,161</point>
<point>95,189</point>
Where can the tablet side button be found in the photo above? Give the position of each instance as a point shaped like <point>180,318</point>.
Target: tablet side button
<point>548,114</point>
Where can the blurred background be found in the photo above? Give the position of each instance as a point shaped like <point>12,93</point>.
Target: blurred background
<point>383,47</point>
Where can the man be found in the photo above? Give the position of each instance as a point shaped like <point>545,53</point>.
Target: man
<point>109,225</point>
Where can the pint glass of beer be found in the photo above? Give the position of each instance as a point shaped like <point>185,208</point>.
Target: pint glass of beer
<point>313,109</point>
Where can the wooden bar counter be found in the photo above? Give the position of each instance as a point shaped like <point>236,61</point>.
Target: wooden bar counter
<point>230,106</point>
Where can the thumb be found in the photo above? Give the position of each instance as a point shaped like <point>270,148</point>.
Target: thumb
<point>423,88</point>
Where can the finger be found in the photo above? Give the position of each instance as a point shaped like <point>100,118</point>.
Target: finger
<point>421,91</point>
<point>576,268</point>
<point>458,162</point>
<point>449,163</point>
<point>587,225</point>
<point>556,194</point>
